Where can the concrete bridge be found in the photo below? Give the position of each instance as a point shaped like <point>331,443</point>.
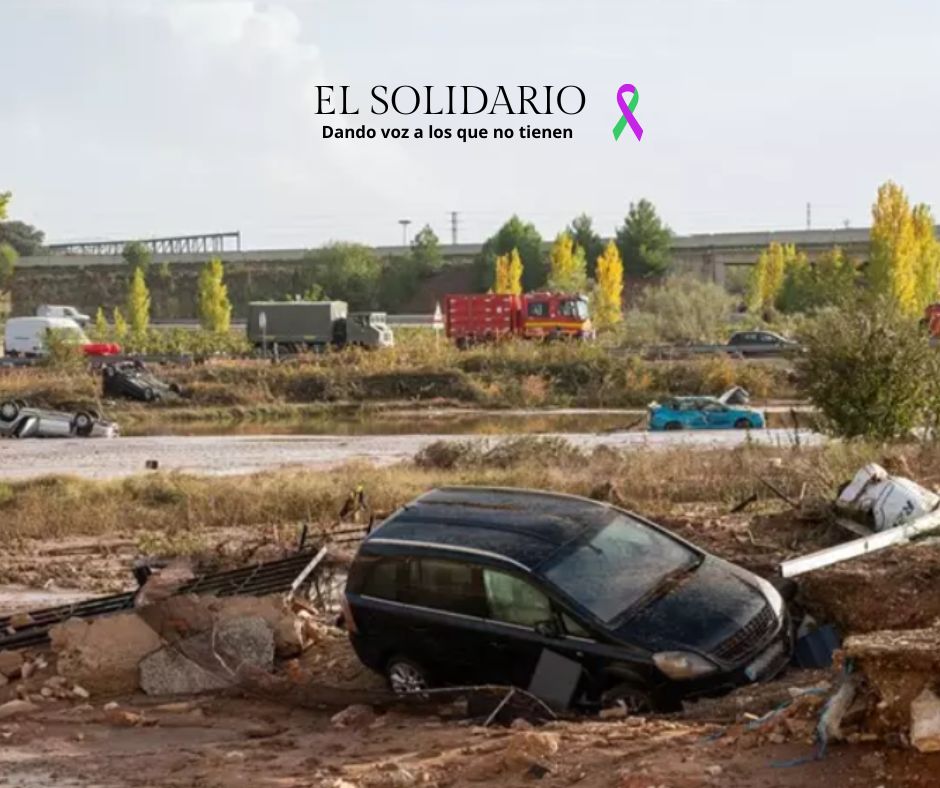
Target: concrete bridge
<point>705,254</point>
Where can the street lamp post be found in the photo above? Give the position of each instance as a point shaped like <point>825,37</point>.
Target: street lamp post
<point>404,230</point>
<point>263,325</point>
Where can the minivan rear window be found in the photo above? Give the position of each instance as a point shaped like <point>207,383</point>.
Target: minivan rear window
<point>446,585</point>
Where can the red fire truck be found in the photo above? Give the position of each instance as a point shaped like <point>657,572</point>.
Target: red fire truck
<point>489,317</point>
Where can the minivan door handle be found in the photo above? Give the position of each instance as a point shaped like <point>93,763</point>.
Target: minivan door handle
<point>499,645</point>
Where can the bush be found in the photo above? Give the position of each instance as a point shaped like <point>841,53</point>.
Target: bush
<point>870,371</point>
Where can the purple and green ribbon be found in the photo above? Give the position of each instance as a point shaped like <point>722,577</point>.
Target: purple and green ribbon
<point>626,112</point>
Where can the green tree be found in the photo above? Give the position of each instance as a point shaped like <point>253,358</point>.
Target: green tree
<point>138,306</point>
<point>869,370</point>
<point>519,235</point>
<point>582,230</point>
<point>426,252</point>
<point>8,258</point>
<point>25,238</point>
<point>607,302</point>
<point>136,255</point>
<point>215,309</point>
<point>807,286</point>
<point>349,272</point>
<point>567,266</point>
<point>681,309</point>
<point>5,198</point>
<point>644,241</point>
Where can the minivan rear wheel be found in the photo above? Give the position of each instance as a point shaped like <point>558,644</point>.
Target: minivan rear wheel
<point>406,676</point>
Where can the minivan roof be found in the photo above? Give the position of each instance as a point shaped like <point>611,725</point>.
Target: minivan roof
<point>524,526</point>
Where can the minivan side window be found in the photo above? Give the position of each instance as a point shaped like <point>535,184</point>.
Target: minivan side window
<point>383,578</point>
<point>514,601</point>
<point>446,585</point>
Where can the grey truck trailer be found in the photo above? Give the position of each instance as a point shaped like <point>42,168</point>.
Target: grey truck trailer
<point>294,326</point>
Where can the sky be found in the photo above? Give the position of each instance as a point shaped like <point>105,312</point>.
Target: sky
<point>142,118</point>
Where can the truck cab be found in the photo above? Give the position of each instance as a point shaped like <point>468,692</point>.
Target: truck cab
<point>556,315</point>
<point>369,329</point>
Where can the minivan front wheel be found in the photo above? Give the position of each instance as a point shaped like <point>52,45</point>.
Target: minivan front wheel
<point>633,699</point>
<point>405,676</point>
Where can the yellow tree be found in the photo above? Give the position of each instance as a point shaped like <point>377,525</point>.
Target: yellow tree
<point>928,256</point>
<point>120,325</point>
<point>568,266</point>
<point>501,275</point>
<point>138,306</point>
<point>768,274</point>
<point>514,273</point>
<point>608,291</point>
<point>893,268</point>
<point>4,201</point>
<point>215,309</point>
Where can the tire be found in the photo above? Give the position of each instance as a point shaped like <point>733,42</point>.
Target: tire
<point>9,411</point>
<point>742,424</point>
<point>149,394</point>
<point>83,423</point>
<point>175,388</point>
<point>406,676</point>
<point>672,426</point>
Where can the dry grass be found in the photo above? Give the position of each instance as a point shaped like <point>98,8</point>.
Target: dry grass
<point>657,482</point>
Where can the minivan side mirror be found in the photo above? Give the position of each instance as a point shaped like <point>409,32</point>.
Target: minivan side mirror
<point>549,628</point>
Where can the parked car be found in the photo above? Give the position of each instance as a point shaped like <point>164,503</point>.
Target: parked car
<point>26,337</point>
<point>49,310</point>
<point>466,586</point>
<point>761,343</point>
<point>702,413</point>
<point>18,420</point>
<point>132,379</point>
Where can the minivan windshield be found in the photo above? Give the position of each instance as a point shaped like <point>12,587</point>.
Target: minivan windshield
<point>613,568</point>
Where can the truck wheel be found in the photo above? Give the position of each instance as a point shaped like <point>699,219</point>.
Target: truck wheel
<point>149,394</point>
<point>9,411</point>
<point>742,424</point>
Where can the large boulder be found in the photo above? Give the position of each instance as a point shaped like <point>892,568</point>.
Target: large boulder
<point>102,654</point>
<point>210,660</point>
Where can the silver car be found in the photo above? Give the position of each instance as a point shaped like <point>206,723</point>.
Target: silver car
<point>18,420</point>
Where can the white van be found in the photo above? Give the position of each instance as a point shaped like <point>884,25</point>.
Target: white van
<point>48,310</point>
<point>26,336</point>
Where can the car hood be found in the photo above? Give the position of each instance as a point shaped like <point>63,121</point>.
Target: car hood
<point>701,611</point>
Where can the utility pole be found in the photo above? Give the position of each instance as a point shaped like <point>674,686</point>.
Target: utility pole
<point>453,228</point>
<point>404,230</point>
<point>809,216</point>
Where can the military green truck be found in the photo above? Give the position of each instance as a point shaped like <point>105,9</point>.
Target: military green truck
<point>296,326</point>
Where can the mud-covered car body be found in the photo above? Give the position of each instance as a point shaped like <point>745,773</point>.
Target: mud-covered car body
<point>702,413</point>
<point>475,585</point>
<point>133,380</point>
<point>18,420</point>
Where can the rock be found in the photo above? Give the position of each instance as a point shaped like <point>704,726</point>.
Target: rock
<point>170,672</point>
<point>714,770</point>
<point>10,664</point>
<point>14,708</point>
<point>925,722</point>
<point>3,680</point>
<point>102,654</point>
<point>80,692</point>
<point>209,661</point>
<point>613,713</point>
<point>289,639</point>
<point>123,718</point>
<point>530,748</point>
<point>179,616</point>
<point>27,670</point>
<point>358,716</point>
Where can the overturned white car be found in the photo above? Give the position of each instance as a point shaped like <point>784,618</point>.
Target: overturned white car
<point>881,501</point>
<point>18,420</point>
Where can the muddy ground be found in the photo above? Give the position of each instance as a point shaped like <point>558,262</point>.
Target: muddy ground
<point>278,739</point>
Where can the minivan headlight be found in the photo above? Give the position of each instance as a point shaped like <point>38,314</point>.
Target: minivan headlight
<point>683,664</point>
<point>773,596</point>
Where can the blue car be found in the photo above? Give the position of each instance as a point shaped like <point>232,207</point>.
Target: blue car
<point>702,413</point>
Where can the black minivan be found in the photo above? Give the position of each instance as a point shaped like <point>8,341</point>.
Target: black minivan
<point>469,585</point>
